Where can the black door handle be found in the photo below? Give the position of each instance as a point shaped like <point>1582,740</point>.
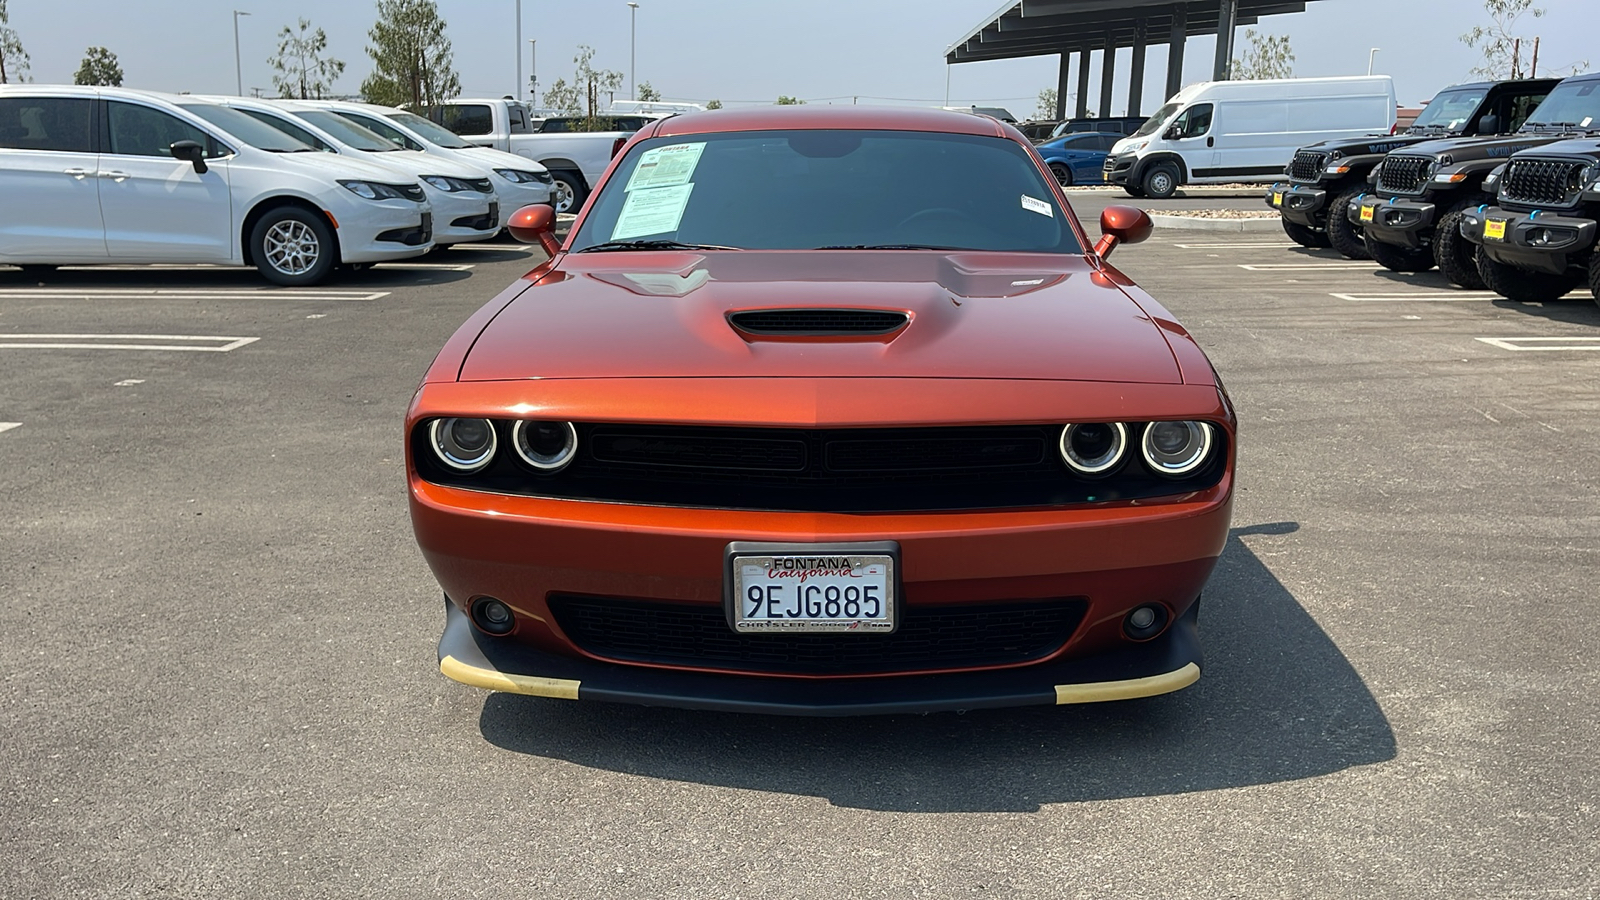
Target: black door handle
<point>1211,142</point>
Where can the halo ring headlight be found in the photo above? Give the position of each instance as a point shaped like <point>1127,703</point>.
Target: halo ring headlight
<point>546,446</point>
<point>1093,448</point>
<point>1176,448</point>
<point>465,445</point>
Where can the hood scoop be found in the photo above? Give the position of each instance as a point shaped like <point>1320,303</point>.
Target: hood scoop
<point>818,323</point>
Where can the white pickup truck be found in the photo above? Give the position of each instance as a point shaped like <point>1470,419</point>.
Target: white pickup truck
<point>576,159</point>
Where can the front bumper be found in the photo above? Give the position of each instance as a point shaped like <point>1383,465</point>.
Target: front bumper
<point>1301,204</point>
<point>1118,169</point>
<point>460,216</point>
<point>1167,663</point>
<point>385,231</point>
<point>1536,241</point>
<point>1396,220</point>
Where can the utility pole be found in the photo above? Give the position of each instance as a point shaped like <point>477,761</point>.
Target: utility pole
<point>238,67</point>
<point>633,44</point>
<point>533,72</point>
<point>517,85</point>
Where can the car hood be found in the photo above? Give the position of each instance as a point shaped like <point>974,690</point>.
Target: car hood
<point>416,163</point>
<point>499,159</point>
<point>1471,148</point>
<point>972,315</point>
<point>1368,145</point>
<point>331,165</point>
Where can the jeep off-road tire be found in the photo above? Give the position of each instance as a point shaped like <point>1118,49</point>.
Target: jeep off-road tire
<point>1344,235</point>
<point>1594,275</point>
<point>1305,237</point>
<point>1398,259</point>
<point>1523,286</point>
<point>1456,256</point>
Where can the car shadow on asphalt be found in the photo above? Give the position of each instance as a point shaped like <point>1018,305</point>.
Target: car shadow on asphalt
<point>1278,702</point>
<point>235,278</point>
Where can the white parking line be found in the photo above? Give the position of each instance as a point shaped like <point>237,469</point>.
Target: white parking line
<point>47,293</point>
<point>1544,343</point>
<point>449,267</point>
<point>7,426</point>
<point>1237,245</point>
<point>1301,267</point>
<point>121,342</point>
<point>1441,296</point>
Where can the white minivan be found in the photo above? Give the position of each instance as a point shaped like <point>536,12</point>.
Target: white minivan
<point>1219,132</point>
<point>107,175</point>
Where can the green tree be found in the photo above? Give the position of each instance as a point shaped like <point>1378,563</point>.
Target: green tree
<point>581,97</point>
<point>646,92</point>
<point>1505,53</point>
<point>714,104</point>
<point>785,100</point>
<point>1268,56</point>
<point>411,58</point>
<point>302,72</point>
<point>1047,104</point>
<point>99,67</point>
<point>13,59</point>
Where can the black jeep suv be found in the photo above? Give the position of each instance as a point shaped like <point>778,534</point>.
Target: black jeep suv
<point>1325,177</point>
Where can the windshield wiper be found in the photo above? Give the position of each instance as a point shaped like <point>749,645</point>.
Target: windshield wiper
<point>886,247</point>
<point>651,245</point>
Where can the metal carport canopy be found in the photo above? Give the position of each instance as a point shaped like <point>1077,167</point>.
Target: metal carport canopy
<point>1041,27</point>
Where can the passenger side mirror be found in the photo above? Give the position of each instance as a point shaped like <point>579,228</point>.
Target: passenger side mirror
<point>535,224</point>
<point>1122,224</point>
<point>190,152</point>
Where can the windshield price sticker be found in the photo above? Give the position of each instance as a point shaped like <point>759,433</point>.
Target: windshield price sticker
<point>848,593</point>
<point>652,211</point>
<point>666,166</point>
<point>1033,204</point>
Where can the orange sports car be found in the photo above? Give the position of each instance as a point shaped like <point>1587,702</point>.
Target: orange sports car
<point>823,411</point>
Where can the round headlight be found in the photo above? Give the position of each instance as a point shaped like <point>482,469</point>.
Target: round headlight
<point>1176,448</point>
<point>1093,448</point>
<point>547,446</point>
<point>465,445</point>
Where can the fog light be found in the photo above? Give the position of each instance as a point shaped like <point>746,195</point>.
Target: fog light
<point>1145,622</point>
<point>493,616</point>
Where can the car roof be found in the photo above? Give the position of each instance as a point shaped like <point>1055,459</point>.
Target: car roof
<point>807,118</point>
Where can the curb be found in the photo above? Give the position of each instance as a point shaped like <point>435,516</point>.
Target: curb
<point>1234,226</point>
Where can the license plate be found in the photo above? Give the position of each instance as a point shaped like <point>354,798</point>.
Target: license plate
<point>494,214</point>
<point>1367,213</point>
<point>1277,198</point>
<point>817,588</point>
<point>1494,229</point>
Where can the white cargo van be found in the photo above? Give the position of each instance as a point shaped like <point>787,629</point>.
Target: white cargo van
<point>1217,132</point>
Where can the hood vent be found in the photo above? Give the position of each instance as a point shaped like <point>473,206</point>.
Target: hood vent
<point>818,322</point>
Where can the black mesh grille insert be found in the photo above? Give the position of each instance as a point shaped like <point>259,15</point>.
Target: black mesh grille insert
<point>698,450</point>
<point>1004,633</point>
<point>1307,165</point>
<point>817,321</point>
<point>1404,174</point>
<point>1552,182</point>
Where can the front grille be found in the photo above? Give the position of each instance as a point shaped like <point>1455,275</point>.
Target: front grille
<point>950,637</point>
<point>481,185</point>
<point>817,321</point>
<point>1551,182</point>
<point>1308,165</point>
<point>411,191</point>
<point>1404,174</point>
<point>845,470</point>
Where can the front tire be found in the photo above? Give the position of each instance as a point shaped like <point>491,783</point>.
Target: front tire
<point>569,191</point>
<point>1398,259</point>
<point>1305,237</point>
<point>293,247</point>
<point>1594,275</point>
<point>1523,286</point>
<point>1456,256</point>
<point>1161,182</point>
<point>1346,236</point>
<point>1062,173</point>
<point>1134,191</point>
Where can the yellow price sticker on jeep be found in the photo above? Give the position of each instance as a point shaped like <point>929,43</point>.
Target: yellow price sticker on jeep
<point>1367,212</point>
<point>1494,229</point>
<point>1277,198</point>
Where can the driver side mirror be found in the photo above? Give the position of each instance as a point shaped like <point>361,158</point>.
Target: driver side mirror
<point>535,224</point>
<point>190,152</point>
<point>1172,133</point>
<point>1122,225</point>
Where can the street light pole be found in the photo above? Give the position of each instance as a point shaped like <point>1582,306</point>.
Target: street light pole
<point>238,67</point>
<point>633,45</point>
<point>1370,54</point>
<point>533,72</point>
<point>516,86</point>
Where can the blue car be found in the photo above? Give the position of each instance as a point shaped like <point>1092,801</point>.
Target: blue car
<point>1078,158</point>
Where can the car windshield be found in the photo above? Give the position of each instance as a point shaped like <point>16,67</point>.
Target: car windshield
<point>257,134</point>
<point>1154,123</point>
<point>346,131</point>
<point>1450,110</point>
<point>814,189</point>
<point>437,134</point>
<point>1574,105</point>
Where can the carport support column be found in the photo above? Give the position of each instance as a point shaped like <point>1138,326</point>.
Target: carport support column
<point>1180,33</point>
<point>1108,71</point>
<point>1136,71</point>
<point>1227,21</point>
<point>1062,83</point>
<point>1083,82</point>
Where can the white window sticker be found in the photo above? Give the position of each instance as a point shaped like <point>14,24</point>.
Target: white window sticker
<point>666,166</point>
<point>1039,206</point>
<point>653,211</point>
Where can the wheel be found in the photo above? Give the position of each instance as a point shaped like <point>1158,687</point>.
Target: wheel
<point>568,192</point>
<point>1523,286</point>
<point>1305,237</point>
<point>1134,191</point>
<point>1160,182</point>
<point>1343,235</point>
<point>1399,259</point>
<point>1062,173</point>
<point>1456,256</point>
<point>293,247</point>
<point>1594,275</point>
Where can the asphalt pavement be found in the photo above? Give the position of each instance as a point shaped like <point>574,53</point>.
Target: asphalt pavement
<point>218,675</point>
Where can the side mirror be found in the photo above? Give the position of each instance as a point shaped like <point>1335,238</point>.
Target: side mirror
<point>190,152</point>
<point>1172,133</point>
<point>1122,224</point>
<point>535,224</point>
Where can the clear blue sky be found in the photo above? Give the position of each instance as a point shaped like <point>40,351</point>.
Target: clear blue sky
<point>754,50</point>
